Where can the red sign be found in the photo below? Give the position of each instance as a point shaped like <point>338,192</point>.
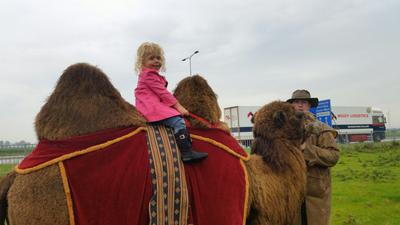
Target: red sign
<point>359,115</point>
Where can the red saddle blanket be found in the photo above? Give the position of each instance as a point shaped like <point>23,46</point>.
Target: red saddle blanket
<point>218,186</point>
<point>109,180</point>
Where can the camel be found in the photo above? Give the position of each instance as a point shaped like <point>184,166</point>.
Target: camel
<point>277,168</point>
<point>84,102</point>
<point>196,95</point>
<point>83,95</point>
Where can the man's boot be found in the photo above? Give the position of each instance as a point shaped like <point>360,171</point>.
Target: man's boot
<point>185,146</point>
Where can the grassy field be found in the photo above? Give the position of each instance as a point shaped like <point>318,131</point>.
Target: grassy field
<point>14,151</point>
<point>4,169</point>
<point>366,184</point>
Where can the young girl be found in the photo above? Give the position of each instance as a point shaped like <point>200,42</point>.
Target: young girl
<point>156,103</point>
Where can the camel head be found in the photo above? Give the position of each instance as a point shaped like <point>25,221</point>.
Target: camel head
<point>198,97</point>
<point>279,120</point>
<point>84,101</point>
<point>277,124</point>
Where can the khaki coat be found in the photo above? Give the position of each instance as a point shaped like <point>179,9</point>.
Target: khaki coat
<point>321,153</point>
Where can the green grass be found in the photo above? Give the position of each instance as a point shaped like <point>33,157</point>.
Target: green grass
<point>14,151</point>
<point>366,184</point>
<point>4,169</point>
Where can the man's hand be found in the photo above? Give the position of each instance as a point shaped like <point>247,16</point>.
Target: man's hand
<point>312,128</point>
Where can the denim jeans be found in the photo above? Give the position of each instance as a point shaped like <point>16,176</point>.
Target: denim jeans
<point>175,122</point>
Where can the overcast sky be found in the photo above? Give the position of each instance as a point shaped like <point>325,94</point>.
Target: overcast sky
<point>251,52</point>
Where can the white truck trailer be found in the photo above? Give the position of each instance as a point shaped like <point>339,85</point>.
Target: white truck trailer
<point>357,124</point>
<point>354,124</point>
<point>238,119</point>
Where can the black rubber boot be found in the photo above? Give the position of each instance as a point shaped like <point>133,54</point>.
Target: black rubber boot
<point>185,145</point>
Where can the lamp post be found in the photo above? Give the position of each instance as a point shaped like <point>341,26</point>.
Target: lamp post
<point>190,61</point>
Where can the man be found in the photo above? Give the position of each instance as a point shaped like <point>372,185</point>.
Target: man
<point>320,154</point>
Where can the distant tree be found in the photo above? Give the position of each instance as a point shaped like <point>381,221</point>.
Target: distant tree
<point>21,142</point>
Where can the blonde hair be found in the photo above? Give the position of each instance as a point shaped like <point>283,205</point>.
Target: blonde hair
<point>148,49</point>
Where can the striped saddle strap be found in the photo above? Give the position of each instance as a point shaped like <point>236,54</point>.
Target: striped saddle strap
<point>169,202</point>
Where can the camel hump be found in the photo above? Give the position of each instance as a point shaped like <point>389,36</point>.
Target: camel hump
<point>5,185</point>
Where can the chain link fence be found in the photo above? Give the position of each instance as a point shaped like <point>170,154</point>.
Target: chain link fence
<point>376,136</point>
<point>13,154</point>
<point>380,136</point>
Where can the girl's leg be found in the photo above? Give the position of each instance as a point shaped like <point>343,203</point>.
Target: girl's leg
<point>175,122</point>
<point>183,140</point>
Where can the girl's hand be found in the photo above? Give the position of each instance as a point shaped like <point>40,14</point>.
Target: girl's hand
<point>181,109</point>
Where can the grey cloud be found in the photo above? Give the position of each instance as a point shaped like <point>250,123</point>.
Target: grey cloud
<point>251,51</point>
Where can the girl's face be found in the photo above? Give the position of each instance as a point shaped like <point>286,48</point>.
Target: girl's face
<point>152,62</point>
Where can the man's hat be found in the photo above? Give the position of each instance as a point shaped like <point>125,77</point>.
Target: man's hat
<point>303,95</point>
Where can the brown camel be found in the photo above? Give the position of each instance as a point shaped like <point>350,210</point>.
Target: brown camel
<point>83,95</point>
<point>277,168</point>
<point>196,95</point>
<point>83,102</point>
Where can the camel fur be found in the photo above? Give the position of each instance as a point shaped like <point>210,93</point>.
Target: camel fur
<point>277,169</point>
<point>196,95</point>
<point>84,101</point>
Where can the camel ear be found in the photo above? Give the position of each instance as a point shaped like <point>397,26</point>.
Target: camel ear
<point>280,118</point>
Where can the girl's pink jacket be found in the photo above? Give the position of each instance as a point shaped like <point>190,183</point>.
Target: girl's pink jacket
<point>153,99</point>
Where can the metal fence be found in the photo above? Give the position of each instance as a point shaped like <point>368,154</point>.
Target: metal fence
<point>392,136</point>
<point>11,159</point>
<point>246,141</point>
<point>13,154</point>
<point>17,146</point>
<point>369,137</point>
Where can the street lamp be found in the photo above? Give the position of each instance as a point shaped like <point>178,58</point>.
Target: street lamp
<point>190,61</point>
